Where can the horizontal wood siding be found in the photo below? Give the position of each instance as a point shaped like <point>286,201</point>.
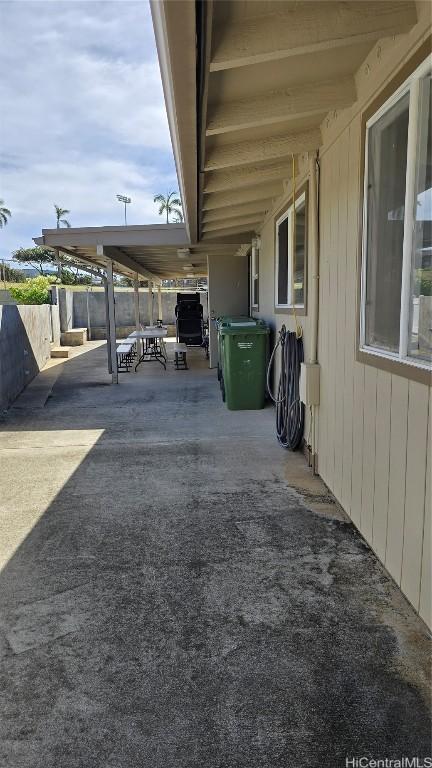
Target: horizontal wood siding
<point>373,425</point>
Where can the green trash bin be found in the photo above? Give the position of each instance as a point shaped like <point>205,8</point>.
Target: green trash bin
<point>222,322</point>
<point>244,359</point>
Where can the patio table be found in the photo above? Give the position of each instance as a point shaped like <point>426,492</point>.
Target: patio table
<point>153,346</point>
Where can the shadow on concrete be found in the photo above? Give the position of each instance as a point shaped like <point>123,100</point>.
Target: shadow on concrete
<point>176,604</point>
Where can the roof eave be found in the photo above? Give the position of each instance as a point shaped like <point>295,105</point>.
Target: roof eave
<point>175,32</point>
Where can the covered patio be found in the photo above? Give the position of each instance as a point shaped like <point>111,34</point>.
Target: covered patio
<point>175,593</point>
<point>153,253</point>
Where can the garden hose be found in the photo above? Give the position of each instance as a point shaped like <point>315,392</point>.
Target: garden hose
<point>289,408</point>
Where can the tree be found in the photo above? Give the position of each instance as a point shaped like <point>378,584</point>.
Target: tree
<point>169,206</point>
<point>60,212</point>
<point>36,257</point>
<point>68,277</point>
<point>5,214</point>
<point>12,275</point>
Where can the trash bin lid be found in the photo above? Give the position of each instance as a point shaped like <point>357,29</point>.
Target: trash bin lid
<point>251,326</point>
<point>226,320</point>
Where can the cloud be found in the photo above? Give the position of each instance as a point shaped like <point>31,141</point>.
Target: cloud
<point>83,115</point>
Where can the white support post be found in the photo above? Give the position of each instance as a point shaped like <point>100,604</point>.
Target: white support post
<point>160,303</point>
<point>107,324</point>
<point>150,302</point>
<point>112,341</point>
<point>137,313</point>
<point>88,318</point>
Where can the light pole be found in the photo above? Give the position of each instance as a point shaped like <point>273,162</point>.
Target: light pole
<point>126,201</point>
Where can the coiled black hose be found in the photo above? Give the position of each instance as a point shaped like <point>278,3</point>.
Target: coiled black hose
<point>289,408</point>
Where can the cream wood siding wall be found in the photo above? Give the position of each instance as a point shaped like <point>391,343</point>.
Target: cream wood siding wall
<point>266,309</point>
<point>374,429</point>
<point>228,292</point>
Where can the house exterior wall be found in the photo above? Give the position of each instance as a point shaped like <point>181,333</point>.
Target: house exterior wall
<point>228,293</point>
<point>374,428</point>
<point>267,259</point>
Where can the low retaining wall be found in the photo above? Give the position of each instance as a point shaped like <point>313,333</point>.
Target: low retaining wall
<point>25,345</point>
<point>86,309</point>
<point>5,297</point>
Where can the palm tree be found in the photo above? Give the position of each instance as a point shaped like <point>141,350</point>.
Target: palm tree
<point>169,205</point>
<point>60,212</point>
<point>5,214</point>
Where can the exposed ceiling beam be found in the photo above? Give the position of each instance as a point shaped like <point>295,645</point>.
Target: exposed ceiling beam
<point>280,106</point>
<point>91,266</point>
<point>245,230</point>
<point>239,221</point>
<point>232,212</point>
<point>238,197</point>
<point>263,149</point>
<point>243,250</point>
<point>216,248</point>
<point>246,176</point>
<point>305,28</point>
<point>122,258</point>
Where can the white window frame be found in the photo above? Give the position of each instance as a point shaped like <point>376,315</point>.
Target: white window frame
<point>289,214</point>
<point>254,273</point>
<point>411,86</point>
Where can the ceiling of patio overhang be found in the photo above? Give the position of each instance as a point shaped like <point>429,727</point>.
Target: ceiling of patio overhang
<point>270,73</point>
<point>155,252</point>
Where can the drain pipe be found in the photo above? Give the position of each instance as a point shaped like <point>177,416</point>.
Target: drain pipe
<point>314,315</point>
<point>314,256</point>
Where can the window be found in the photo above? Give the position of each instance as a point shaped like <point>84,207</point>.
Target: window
<point>291,247</point>
<point>254,274</point>
<point>396,307</point>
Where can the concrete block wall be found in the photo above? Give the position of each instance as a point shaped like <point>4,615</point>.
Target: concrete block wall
<point>65,303</point>
<point>55,324</point>
<point>86,309</point>
<point>25,345</point>
<point>5,297</point>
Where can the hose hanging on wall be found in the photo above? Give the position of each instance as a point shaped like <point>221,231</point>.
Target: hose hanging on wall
<point>289,408</point>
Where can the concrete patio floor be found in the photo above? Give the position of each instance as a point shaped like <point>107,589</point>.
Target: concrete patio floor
<point>179,592</point>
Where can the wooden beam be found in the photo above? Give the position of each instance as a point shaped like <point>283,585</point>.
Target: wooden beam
<point>244,222</point>
<point>233,212</point>
<point>304,28</point>
<point>246,232</point>
<point>117,255</point>
<point>294,102</point>
<point>90,266</point>
<point>270,148</point>
<point>241,196</point>
<point>246,176</point>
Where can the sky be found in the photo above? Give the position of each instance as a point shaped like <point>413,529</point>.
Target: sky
<point>82,115</point>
